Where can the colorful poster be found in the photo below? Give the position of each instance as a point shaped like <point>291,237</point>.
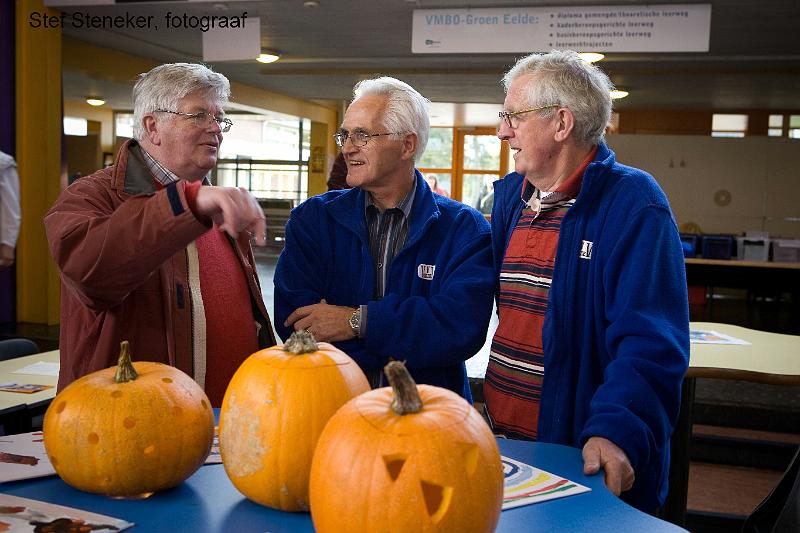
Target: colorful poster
<point>526,484</point>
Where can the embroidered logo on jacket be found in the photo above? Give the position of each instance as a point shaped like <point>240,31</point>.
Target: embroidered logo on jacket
<point>426,271</point>
<point>586,250</point>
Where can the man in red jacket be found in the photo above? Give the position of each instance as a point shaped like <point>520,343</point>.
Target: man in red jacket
<point>150,253</point>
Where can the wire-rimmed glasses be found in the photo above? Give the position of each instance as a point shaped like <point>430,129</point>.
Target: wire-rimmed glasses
<point>358,138</point>
<point>203,119</point>
<point>509,115</point>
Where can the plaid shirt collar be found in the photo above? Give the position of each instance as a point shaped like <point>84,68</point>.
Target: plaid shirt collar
<point>161,173</point>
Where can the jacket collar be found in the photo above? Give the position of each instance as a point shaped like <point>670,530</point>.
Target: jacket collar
<point>348,210</point>
<point>131,173</point>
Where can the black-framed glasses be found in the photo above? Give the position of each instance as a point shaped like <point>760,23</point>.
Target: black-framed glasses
<point>358,138</point>
<point>203,119</point>
<point>509,115</point>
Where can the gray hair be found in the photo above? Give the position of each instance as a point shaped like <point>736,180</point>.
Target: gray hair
<point>564,78</point>
<point>164,86</point>
<point>406,109</point>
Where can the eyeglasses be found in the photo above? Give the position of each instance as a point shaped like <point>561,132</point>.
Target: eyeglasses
<point>202,119</point>
<point>509,115</point>
<point>358,138</point>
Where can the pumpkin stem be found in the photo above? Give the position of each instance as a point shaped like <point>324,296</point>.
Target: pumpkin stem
<point>301,342</point>
<point>125,371</point>
<point>406,397</point>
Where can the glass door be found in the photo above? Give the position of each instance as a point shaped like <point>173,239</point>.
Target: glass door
<point>481,159</point>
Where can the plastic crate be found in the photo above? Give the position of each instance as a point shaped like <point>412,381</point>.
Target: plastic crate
<point>717,246</point>
<point>690,243</point>
<point>752,249</point>
<point>786,250</point>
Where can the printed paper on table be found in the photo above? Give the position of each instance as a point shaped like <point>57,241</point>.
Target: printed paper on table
<point>699,336</point>
<point>20,515</point>
<point>526,484</point>
<point>23,457</point>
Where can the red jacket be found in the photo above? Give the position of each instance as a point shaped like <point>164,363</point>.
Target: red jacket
<point>120,245</point>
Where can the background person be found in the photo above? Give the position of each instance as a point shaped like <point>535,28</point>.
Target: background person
<point>9,209</point>
<point>433,183</point>
<point>593,336</point>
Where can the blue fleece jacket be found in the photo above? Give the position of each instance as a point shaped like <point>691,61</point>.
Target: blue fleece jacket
<point>616,330</point>
<point>434,323</point>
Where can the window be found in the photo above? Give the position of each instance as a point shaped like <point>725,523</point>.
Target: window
<point>794,126</point>
<point>727,125</point>
<point>775,126</point>
<point>267,154</point>
<point>75,126</point>
<point>123,125</point>
<point>437,161</point>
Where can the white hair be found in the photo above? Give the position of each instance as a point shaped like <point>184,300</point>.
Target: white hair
<point>164,86</point>
<point>406,109</point>
<point>563,78</point>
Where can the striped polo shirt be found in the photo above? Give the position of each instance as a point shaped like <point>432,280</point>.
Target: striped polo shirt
<point>513,384</point>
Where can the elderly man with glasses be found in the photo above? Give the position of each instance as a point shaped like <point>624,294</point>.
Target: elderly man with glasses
<point>593,335</point>
<point>388,270</point>
<point>149,252</point>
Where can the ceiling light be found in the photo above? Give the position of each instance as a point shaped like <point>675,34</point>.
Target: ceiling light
<point>310,3</point>
<point>95,101</point>
<point>591,57</point>
<point>617,94</point>
<point>268,57</point>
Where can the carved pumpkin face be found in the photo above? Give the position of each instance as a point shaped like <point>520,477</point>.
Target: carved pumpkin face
<point>273,412</point>
<point>435,470</point>
<point>129,439</point>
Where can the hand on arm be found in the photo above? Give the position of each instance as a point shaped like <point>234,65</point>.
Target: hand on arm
<point>328,323</point>
<point>233,210</point>
<point>598,453</point>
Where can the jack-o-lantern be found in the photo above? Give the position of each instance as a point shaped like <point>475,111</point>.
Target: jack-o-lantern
<point>129,430</point>
<point>406,459</point>
<point>274,409</point>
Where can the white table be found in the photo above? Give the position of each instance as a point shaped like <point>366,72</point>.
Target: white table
<point>16,409</point>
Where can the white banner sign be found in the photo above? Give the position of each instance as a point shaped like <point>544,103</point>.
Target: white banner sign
<point>642,28</point>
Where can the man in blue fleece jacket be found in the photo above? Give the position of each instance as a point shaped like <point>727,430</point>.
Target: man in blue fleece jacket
<point>387,269</point>
<point>593,337</point>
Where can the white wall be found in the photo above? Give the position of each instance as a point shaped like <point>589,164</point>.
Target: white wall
<point>762,175</point>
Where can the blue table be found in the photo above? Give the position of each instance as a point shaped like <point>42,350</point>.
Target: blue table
<point>208,502</point>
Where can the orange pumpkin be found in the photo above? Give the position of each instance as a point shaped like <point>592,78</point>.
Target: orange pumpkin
<point>406,459</point>
<point>129,430</point>
<point>274,409</point>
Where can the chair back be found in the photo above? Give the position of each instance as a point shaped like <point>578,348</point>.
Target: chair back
<point>11,348</point>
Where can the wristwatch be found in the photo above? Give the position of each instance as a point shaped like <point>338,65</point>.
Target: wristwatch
<point>355,322</point>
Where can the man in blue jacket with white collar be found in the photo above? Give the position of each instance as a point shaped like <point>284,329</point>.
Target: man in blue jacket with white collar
<point>388,269</point>
<point>593,336</point>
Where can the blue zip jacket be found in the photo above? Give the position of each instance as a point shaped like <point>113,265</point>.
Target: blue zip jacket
<point>616,330</point>
<point>432,324</point>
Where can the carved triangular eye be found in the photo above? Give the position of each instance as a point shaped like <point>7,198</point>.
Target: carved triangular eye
<point>437,499</point>
<point>394,464</point>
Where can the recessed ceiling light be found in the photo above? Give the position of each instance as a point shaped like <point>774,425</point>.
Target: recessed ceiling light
<point>591,57</point>
<point>617,94</point>
<point>268,57</point>
<point>95,101</point>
